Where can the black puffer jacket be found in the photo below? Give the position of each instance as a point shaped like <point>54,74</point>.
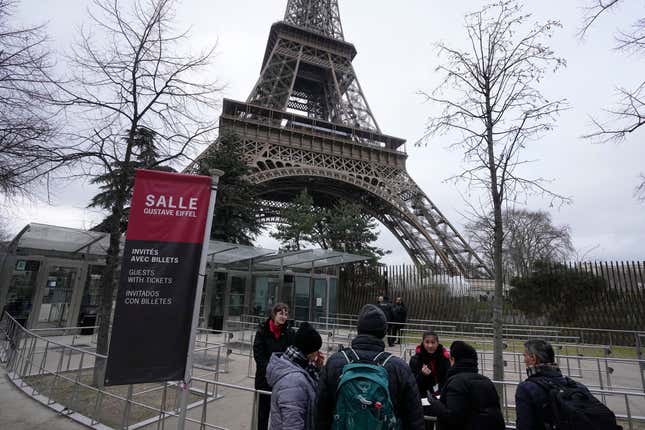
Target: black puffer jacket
<point>469,401</point>
<point>266,344</point>
<point>403,388</point>
<point>438,364</point>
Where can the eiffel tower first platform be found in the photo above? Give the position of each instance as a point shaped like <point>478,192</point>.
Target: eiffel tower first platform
<point>307,124</point>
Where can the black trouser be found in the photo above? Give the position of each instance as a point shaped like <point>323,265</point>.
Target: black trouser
<point>264,409</point>
<point>391,331</point>
<point>396,332</point>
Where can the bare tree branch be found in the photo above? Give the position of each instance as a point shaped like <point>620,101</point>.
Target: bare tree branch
<point>138,102</point>
<point>628,114</point>
<point>593,12</point>
<point>640,189</point>
<point>489,96</point>
<point>529,237</point>
<point>28,151</point>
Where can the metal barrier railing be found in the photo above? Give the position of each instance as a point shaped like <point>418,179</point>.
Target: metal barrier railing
<point>61,376</point>
<point>595,371</point>
<point>41,366</point>
<point>583,333</point>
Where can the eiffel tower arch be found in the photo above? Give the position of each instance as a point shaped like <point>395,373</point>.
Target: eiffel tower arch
<point>307,124</point>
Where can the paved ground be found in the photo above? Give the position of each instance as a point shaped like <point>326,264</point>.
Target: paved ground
<point>20,412</point>
<point>234,411</point>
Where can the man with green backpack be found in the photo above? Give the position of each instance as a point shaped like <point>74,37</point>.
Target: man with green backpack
<point>365,387</point>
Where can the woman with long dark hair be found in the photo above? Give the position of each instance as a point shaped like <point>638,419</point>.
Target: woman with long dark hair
<point>273,335</point>
<point>430,364</point>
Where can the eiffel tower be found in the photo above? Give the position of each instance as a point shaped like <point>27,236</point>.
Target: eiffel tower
<point>307,125</point>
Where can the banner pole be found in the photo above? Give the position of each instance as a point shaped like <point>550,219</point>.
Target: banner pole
<point>185,384</point>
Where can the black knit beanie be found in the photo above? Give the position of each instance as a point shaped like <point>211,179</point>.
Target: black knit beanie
<point>460,350</point>
<point>308,340</point>
<point>372,321</point>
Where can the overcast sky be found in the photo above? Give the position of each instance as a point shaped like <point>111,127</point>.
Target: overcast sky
<point>395,60</point>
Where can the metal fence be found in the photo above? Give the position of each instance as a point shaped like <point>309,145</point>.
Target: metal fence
<point>618,305</point>
<point>57,371</point>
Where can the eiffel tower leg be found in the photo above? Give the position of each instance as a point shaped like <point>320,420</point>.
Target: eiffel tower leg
<point>424,232</point>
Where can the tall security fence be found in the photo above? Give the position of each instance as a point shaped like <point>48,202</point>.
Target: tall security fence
<point>607,295</point>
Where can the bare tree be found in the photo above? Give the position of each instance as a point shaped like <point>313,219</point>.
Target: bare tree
<point>640,190</point>
<point>137,98</point>
<point>490,98</point>
<point>27,131</point>
<point>4,234</point>
<point>529,237</point>
<point>628,113</point>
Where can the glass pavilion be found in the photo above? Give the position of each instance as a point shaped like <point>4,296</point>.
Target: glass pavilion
<point>50,277</point>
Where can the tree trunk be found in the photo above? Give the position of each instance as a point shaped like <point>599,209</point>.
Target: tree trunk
<point>498,301</point>
<point>108,284</point>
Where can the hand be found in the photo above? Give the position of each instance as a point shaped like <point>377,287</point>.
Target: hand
<point>426,370</point>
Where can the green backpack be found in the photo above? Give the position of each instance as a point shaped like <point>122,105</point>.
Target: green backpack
<point>363,398</point>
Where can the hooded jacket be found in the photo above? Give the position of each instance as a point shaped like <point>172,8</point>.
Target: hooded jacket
<point>266,344</point>
<point>437,362</point>
<point>401,383</point>
<point>468,401</point>
<point>293,396</point>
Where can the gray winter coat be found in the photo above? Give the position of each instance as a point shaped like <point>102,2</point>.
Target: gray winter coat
<point>293,395</point>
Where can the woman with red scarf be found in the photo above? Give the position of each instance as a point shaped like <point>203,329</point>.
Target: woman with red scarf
<point>273,335</point>
<point>430,365</point>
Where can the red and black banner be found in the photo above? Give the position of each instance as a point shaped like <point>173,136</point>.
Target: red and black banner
<point>159,272</point>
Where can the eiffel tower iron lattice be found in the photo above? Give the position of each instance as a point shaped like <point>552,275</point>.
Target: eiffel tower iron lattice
<point>307,124</point>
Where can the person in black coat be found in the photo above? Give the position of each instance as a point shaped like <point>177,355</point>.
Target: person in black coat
<point>399,316</point>
<point>273,335</point>
<point>368,344</point>
<point>468,400</point>
<point>430,365</point>
<point>385,305</point>
<point>531,400</point>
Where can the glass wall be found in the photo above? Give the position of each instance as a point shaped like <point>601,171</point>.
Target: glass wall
<point>332,296</point>
<point>236,298</point>
<point>218,290</point>
<point>92,291</point>
<point>301,311</point>
<point>57,298</point>
<point>264,293</point>
<point>319,300</point>
<point>21,289</point>
<point>286,294</point>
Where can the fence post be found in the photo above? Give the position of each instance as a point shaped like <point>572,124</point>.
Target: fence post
<point>126,412</point>
<point>639,356</point>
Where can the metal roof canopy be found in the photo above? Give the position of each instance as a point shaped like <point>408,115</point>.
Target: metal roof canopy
<point>72,240</point>
<point>228,253</point>
<point>63,239</point>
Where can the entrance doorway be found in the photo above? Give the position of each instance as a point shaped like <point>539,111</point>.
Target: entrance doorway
<point>57,297</point>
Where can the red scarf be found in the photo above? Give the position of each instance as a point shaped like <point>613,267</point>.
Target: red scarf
<point>275,329</point>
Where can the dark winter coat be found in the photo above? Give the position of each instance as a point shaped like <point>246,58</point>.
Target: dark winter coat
<point>402,386</point>
<point>399,313</point>
<point>266,344</point>
<point>468,401</point>
<point>438,364</point>
<point>531,400</point>
<point>293,396</point>
<point>386,307</point>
